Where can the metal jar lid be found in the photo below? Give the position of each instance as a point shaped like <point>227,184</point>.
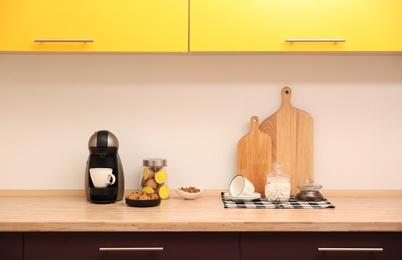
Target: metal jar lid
<point>154,162</point>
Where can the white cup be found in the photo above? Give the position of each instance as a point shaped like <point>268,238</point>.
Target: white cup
<point>101,177</point>
<point>241,186</point>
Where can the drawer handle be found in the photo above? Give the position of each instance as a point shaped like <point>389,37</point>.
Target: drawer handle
<point>131,249</point>
<point>342,249</point>
<point>315,40</point>
<point>63,40</point>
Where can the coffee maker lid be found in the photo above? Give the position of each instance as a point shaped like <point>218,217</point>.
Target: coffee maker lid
<point>103,138</point>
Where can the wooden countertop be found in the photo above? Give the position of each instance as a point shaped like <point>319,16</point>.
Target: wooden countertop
<point>68,211</point>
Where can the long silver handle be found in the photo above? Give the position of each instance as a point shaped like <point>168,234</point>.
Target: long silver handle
<point>131,249</point>
<point>342,249</point>
<point>315,40</point>
<point>63,40</point>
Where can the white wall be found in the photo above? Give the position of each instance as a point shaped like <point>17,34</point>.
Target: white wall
<point>192,110</point>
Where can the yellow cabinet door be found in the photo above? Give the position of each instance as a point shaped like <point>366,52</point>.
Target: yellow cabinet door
<point>295,25</point>
<point>94,25</point>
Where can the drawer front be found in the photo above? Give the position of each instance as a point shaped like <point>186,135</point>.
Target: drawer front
<point>11,246</point>
<point>321,246</point>
<point>147,246</point>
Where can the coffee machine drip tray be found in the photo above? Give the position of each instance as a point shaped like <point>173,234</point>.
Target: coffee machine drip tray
<point>103,195</point>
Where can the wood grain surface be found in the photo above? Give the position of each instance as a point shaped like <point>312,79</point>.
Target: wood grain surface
<point>254,156</point>
<point>36,211</point>
<point>292,134</point>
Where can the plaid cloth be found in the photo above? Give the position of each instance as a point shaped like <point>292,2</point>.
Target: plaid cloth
<point>263,204</point>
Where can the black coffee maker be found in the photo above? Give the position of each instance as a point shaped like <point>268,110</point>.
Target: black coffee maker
<point>103,153</point>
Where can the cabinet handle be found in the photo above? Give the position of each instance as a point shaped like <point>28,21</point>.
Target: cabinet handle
<point>342,249</point>
<point>63,40</point>
<point>315,40</point>
<point>130,249</point>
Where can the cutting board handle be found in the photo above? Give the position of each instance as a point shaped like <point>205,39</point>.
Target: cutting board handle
<point>286,95</point>
<point>254,122</point>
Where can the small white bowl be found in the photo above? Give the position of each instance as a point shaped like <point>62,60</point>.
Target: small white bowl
<point>190,196</point>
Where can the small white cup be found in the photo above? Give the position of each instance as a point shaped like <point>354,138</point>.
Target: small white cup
<point>241,186</point>
<point>101,177</point>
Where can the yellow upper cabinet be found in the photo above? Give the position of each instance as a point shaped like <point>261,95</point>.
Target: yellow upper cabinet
<point>94,25</point>
<point>295,25</point>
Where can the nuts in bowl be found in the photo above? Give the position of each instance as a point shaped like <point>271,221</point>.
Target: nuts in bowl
<point>190,193</point>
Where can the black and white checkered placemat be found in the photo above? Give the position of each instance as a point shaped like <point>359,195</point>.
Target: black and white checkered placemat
<point>263,204</point>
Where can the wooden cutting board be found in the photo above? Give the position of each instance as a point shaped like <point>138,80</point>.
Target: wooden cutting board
<point>254,156</point>
<point>292,134</point>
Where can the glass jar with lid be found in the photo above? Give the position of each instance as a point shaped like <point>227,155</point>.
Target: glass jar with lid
<point>277,188</point>
<point>154,176</point>
<point>309,191</point>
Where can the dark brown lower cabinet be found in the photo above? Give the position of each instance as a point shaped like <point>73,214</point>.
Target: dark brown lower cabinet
<point>147,246</point>
<point>321,245</point>
<point>201,245</point>
<point>11,246</point>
